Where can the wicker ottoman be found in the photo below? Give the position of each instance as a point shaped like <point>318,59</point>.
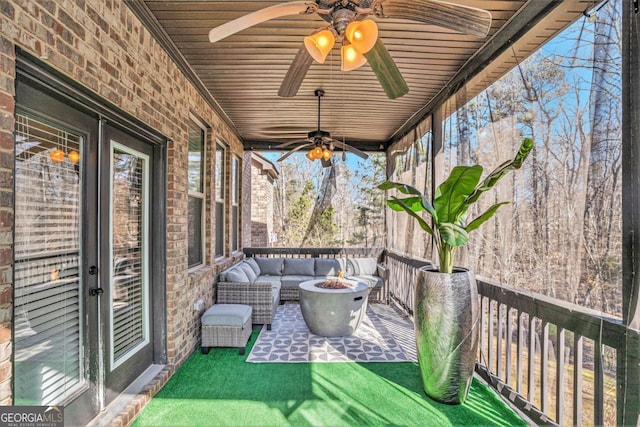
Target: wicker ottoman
<point>226,325</point>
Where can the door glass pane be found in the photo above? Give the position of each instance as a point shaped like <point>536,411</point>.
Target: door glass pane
<point>129,211</point>
<point>48,331</point>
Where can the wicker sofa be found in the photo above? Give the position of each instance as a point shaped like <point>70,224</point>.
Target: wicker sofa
<point>263,282</point>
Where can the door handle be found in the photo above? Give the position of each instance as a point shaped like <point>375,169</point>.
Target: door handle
<point>96,291</point>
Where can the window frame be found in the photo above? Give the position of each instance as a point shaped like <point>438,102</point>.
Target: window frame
<point>220,199</point>
<point>236,164</point>
<point>198,195</point>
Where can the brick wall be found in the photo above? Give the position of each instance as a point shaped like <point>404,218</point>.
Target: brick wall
<point>102,45</point>
<point>246,198</point>
<point>262,200</point>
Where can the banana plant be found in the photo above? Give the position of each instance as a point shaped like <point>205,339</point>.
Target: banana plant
<point>449,226</point>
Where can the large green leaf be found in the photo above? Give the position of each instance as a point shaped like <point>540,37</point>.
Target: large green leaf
<point>407,189</point>
<point>495,176</point>
<point>451,195</point>
<point>413,203</point>
<point>452,234</point>
<point>425,226</point>
<point>477,222</point>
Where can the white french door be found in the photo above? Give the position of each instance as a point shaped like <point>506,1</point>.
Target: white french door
<point>87,231</point>
<point>127,307</point>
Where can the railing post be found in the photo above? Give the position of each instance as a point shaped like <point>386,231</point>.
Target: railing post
<point>628,369</point>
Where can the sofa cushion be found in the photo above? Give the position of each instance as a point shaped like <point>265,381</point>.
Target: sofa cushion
<point>226,315</point>
<point>251,275</point>
<point>274,280</point>
<point>370,280</point>
<point>356,266</point>
<point>328,266</point>
<point>254,265</point>
<point>236,274</point>
<point>299,266</point>
<point>293,280</point>
<point>271,266</point>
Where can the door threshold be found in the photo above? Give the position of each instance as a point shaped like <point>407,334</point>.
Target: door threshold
<point>131,401</point>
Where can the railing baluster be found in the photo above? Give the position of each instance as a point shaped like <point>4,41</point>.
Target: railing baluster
<point>577,379</point>
<point>532,358</point>
<point>524,310</point>
<point>509,344</point>
<point>598,386</point>
<point>520,355</point>
<point>490,339</point>
<point>499,339</point>
<point>483,328</point>
<point>560,377</point>
<point>544,367</point>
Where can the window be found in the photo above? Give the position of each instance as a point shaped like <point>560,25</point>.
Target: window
<point>235,202</point>
<point>196,194</point>
<point>219,197</point>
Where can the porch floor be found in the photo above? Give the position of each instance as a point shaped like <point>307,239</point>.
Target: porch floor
<point>222,389</point>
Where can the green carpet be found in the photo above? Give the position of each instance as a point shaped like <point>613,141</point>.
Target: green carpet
<point>221,389</point>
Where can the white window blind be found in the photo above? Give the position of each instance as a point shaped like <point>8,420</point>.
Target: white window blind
<point>129,245</point>
<point>48,331</point>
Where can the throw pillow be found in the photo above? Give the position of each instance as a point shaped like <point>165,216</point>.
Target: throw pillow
<point>328,266</point>
<point>251,275</point>
<point>236,275</point>
<point>299,266</point>
<point>270,266</point>
<point>254,265</point>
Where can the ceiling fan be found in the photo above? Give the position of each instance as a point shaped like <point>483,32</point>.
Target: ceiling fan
<point>358,35</point>
<point>320,143</point>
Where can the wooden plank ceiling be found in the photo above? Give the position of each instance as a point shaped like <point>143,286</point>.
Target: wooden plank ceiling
<point>243,72</point>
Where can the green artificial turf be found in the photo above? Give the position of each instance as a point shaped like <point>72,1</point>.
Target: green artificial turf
<point>221,389</point>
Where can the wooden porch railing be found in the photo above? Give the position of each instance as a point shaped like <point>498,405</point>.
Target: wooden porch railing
<point>314,252</point>
<point>558,362</point>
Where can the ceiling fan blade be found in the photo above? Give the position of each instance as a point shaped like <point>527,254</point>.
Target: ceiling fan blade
<point>259,16</point>
<point>386,71</point>
<point>299,147</point>
<point>351,149</point>
<point>295,74</point>
<point>286,144</point>
<point>464,19</point>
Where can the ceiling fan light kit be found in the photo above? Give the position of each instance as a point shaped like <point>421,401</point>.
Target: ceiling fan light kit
<point>320,143</point>
<point>351,59</point>
<point>362,35</point>
<point>359,35</point>
<point>319,44</point>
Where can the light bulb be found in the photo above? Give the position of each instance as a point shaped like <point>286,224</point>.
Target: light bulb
<point>74,156</point>
<point>351,59</point>
<point>317,152</point>
<point>57,155</point>
<point>326,154</point>
<point>319,45</point>
<point>362,35</point>
<point>310,155</point>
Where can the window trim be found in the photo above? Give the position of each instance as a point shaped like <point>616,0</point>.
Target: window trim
<point>199,195</point>
<point>219,197</point>
<point>235,202</point>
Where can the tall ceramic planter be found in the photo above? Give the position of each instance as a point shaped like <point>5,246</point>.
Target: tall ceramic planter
<point>446,324</point>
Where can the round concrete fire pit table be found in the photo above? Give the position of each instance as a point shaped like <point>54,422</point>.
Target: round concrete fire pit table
<point>333,312</point>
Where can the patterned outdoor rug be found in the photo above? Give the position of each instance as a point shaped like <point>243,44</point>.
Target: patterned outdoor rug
<point>385,335</point>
